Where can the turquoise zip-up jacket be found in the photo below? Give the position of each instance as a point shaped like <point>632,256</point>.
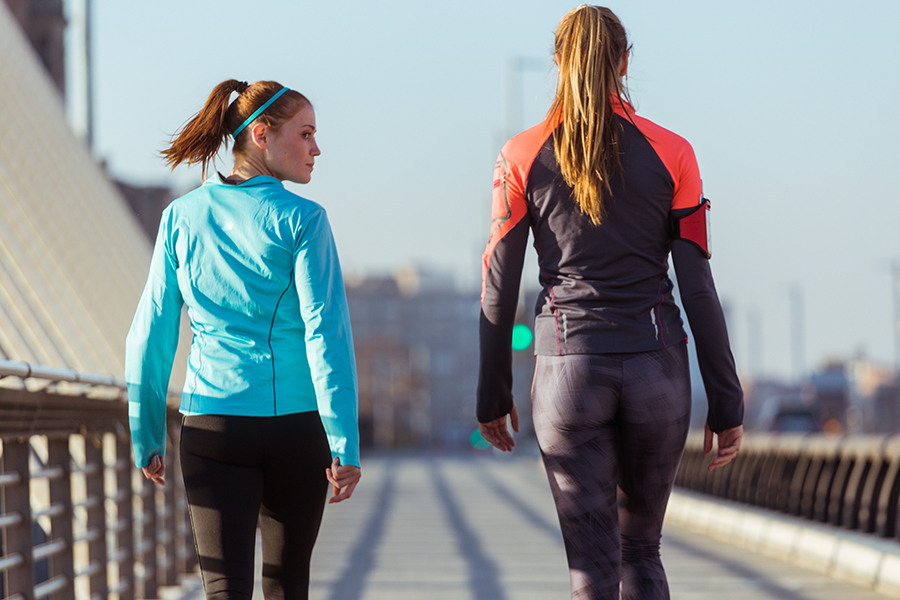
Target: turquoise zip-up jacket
<point>258,270</point>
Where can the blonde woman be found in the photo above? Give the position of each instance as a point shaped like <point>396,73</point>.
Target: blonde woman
<point>607,196</point>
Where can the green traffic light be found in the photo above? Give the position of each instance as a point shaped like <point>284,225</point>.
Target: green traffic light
<point>477,440</point>
<point>521,337</point>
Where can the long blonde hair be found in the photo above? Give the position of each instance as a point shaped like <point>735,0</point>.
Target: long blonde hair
<point>591,45</point>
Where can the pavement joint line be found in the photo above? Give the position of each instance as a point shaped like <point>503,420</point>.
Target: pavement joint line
<point>852,556</point>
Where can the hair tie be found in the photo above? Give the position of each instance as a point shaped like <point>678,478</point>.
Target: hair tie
<point>241,87</point>
<point>259,111</point>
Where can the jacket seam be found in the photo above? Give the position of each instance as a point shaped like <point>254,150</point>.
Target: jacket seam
<point>271,350</point>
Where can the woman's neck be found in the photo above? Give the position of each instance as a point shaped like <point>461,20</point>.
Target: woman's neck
<point>248,168</point>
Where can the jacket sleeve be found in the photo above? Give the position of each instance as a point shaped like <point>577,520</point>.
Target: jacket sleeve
<point>704,312</point>
<point>501,274</point>
<point>329,340</point>
<point>150,350</point>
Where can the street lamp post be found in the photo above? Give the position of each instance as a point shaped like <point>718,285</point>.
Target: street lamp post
<point>895,289</point>
<point>797,344</point>
<point>515,67</point>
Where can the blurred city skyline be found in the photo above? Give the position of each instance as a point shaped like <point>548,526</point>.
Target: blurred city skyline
<point>786,105</point>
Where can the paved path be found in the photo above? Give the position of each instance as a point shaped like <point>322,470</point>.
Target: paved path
<point>485,529</point>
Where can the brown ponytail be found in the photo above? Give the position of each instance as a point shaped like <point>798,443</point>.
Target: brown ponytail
<point>200,139</point>
<point>591,45</point>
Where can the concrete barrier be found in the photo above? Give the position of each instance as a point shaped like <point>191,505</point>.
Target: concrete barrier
<point>862,558</point>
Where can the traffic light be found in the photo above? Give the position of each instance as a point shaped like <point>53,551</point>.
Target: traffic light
<point>477,440</point>
<point>521,337</point>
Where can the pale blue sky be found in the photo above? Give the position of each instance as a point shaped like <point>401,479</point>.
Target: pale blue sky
<point>791,107</point>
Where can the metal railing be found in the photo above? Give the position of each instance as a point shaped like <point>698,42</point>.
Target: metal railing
<point>849,481</point>
<point>77,520</point>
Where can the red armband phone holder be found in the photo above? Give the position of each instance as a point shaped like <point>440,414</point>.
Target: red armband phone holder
<point>692,225</point>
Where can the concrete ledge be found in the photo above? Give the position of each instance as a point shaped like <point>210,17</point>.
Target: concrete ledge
<point>861,558</point>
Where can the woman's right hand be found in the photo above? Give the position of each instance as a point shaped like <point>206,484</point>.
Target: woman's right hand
<point>155,471</point>
<point>496,432</point>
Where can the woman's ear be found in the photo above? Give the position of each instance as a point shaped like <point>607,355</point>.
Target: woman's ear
<point>259,134</point>
<point>623,70</point>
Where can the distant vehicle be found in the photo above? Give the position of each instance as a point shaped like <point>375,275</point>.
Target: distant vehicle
<point>795,419</point>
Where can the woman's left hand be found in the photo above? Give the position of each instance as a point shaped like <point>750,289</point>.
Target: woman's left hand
<point>342,477</point>
<point>496,432</point>
<point>155,471</point>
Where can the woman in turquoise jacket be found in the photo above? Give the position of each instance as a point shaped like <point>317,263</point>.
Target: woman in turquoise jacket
<point>270,400</point>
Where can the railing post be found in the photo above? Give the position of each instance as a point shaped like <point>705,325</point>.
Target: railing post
<point>146,541</point>
<point>96,516</point>
<point>169,528</point>
<point>186,551</point>
<point>18,537</point>
<point>124,519</point>
<point>61,524</point>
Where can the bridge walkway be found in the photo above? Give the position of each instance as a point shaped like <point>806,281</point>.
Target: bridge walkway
<point>459,528</point>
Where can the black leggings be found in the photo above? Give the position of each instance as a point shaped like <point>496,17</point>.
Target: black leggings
<point>611,428</point>
<point>244,471</point>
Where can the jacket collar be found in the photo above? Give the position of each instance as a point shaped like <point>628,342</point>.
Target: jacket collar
<point>219,179</point>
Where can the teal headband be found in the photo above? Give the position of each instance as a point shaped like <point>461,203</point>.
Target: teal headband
<point>259,111</point>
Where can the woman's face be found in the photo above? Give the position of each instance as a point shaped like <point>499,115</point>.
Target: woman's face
<point>291,151</point>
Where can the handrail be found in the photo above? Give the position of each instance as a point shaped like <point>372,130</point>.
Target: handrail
<point>25,370</point>
<point>851,482</point>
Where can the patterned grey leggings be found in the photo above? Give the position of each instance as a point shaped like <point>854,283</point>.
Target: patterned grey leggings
<point>612,428</point>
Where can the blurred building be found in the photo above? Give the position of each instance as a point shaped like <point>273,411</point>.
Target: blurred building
<point>416,340</point>
<point>858,395</point>
<point>773,405</point>
<point>44,24</point>
<point>147,203</point>
<point>875,396</point>
<point>843,396</point>
<point>831,395</point>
